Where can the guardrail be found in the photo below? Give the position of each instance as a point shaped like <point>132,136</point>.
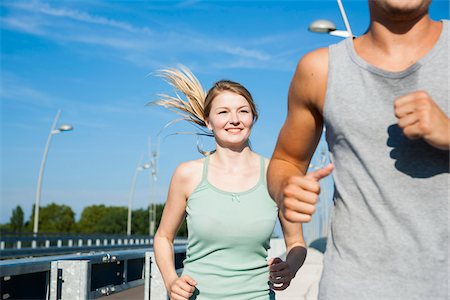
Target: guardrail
<point>26,246</point>
<point>82,276</point>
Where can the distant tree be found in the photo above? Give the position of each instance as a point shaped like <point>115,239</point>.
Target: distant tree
<point>54,218</point>
<point>16,222</point>
<point>90,216</point>
<point>140,221</point>
<point>115,221</point>
<point>103,219</point>
<point>5,228</point>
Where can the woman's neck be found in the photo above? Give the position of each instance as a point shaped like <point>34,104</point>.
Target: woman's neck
<point>231,159</point>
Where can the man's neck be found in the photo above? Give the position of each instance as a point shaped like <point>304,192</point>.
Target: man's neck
<point>396,45</point>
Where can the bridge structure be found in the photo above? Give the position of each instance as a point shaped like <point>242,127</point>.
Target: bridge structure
<point>90,266</point>
<point>66,267</point>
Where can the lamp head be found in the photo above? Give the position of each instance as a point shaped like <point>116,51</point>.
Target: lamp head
<point>65,127</point>
<point>324,26</point>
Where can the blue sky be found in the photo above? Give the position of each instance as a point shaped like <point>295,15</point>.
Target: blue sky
<point>95,60</point>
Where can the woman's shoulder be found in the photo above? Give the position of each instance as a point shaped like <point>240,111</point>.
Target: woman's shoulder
<point>189,171</point>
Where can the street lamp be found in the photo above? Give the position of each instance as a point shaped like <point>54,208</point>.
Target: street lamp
<point>53,131</point>
<point>325,26</point>
<point>154,157</point>
<point>140,167</point>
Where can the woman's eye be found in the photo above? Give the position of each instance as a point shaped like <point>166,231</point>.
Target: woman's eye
<point>244,111</point>
<point>222,112</point>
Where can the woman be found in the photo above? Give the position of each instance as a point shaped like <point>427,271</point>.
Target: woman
<point>230,215</point>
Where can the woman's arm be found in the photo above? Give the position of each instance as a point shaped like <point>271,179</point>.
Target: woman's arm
<point>282,272</point>
<point>172,217</point>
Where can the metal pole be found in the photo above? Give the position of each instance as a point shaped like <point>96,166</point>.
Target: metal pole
<point>154,163</point>
<point>344,17</point>
<point>130,198</point>
<point>150,211</point>
<point>41,173</point>
<point>153,178</point>
<point>154,157</point>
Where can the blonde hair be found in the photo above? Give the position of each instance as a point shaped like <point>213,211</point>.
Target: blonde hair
<point>197,106</point>
<point>185,82</point>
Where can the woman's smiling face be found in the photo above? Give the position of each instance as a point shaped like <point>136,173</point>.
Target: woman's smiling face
<point>230,119</point>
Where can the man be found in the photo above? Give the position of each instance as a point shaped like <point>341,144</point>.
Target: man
<point>384,100</point>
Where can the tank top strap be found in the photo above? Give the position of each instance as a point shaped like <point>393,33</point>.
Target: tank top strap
<point>205,169</point>
<point>262,175</point>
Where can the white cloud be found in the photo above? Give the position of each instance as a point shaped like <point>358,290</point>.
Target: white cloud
<point>44,8</point>
<point>23,25</point>
<point>239,51</point>
<point>141,46</point>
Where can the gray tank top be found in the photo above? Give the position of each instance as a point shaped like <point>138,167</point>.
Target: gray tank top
<point>389,225</point>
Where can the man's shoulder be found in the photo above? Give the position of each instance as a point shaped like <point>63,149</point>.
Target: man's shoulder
<point>316,59</point>
<point>313,64</point>
<point>310,78</point>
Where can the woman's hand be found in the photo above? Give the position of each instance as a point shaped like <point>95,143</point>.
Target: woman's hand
<point>280,274</point>
<point>182,288</point>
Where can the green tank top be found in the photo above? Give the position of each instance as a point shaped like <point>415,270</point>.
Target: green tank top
<point>228,238</point>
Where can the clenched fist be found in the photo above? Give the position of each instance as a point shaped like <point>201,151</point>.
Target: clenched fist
<point>182,288</point>
<point>301,195</point>
<point>420,117</point>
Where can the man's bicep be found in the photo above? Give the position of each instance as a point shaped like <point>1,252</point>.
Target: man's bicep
<point>299,137</point>
<point>301,131</point>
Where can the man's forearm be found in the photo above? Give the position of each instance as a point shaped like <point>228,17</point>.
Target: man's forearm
<point>277,177</point>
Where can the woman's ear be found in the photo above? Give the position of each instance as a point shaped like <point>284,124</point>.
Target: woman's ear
<point>208,125</point>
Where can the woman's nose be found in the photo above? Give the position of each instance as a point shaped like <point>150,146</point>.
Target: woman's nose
<point>234,118</point>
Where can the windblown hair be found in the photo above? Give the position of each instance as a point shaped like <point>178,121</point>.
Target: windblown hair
<point>197,106</point>
<point>185,82</point>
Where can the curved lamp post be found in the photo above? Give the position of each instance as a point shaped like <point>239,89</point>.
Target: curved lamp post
<point>53,131</point>
<point>325,26</point>
<point>153,154</point>
<point>140,167</point>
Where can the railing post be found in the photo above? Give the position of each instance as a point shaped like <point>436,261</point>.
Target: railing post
<point>157,289</point>
<point>69,280</point>
<point>147,275</point>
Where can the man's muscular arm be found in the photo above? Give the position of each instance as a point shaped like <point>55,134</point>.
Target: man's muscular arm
<point>295,193</point>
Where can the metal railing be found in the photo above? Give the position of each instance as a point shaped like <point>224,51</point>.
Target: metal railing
<point>82,276</point>
<point>26,246</point>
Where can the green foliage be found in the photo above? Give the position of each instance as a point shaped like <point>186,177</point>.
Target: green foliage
<point>54,218</point>
<point>16,222</point>
<point>140,221</point>
<point>103,219</point>
<point>94,219</point>
<point>5,228</point>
